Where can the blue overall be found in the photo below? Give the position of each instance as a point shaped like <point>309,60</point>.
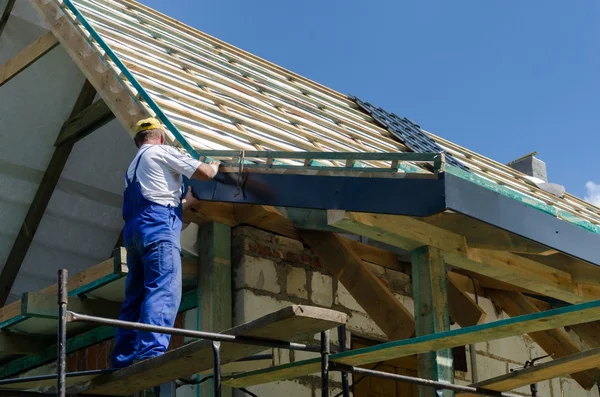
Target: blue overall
<point>153,284</point>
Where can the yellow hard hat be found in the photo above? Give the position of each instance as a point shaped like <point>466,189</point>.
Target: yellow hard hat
<point>147,124</point>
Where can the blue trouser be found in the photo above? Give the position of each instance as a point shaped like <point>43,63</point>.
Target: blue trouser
<point>153,283</point>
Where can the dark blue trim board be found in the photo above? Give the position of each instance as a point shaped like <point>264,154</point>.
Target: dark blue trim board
<point>403,196</point>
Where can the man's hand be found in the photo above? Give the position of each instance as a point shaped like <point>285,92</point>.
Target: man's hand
<point>188,200</point>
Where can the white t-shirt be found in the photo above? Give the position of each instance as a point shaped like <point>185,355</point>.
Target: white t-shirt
<point>159,173</point>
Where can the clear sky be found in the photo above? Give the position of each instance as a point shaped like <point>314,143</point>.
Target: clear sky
<point>500,77</point>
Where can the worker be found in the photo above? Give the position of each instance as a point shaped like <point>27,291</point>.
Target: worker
<point>152,208</point>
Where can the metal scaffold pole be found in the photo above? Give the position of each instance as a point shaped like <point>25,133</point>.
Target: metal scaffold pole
<point>61,378</point>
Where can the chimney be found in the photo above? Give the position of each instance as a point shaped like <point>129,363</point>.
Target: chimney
<point>536,169</point>
<point>530,165</point>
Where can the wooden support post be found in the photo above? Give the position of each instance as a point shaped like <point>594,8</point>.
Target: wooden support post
<point>40,202</point>
<point>85,122</point>
<point>214,284</point>
<point>431,316</point>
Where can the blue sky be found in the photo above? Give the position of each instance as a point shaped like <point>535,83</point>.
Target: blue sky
<point>500,77</point>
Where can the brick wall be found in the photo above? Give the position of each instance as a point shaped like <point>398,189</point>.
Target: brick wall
<point>271,272</point>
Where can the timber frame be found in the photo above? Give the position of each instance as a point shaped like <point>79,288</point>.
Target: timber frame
<point>304,161</point>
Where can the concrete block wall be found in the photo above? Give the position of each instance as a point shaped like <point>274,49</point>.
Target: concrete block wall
<point>271,272</point>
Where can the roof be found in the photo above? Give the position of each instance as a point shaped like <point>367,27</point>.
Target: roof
<point>211,96</point>
<point>220,97</point>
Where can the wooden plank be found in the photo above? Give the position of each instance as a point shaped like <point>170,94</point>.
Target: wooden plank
<point>37,304</point>
<point>77,342</point>
<point>27,56</point>
<point>377,300</point>
<point>121,100</point>
<point>215,308</point>
<point>290,323</point>
<point>410,233</point>
<point>103,272</point>
<point>264,217</point>
<point>515,326</point>
<point>431,316</point>
<point>553,369</point>
<point>85,122</point>
<point>462,308</point>
<point>6,14</point>
<point>555,342</point>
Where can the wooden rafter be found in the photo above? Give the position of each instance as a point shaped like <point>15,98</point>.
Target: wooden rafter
<point>40,202</point>
<point>27,56</point>
<point>555,342</point>
<point>117,94</point>
<point>370,293</point>
<point>462,308</point>
<point>553,369</point>
<point>410,233</point>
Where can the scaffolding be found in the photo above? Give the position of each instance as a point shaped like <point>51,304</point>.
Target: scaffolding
<point>65,316</point>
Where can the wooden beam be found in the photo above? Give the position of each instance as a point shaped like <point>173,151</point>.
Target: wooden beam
<point>553,369</point>
<point>271,219</point>
<point>124,104</point>
<point>377,300</point>
<point>375,255</point>
<point>85,122</point>
<point>215,308</point>
<point>462,308</point>
<point>515,326</point>
<point>40,202</point>
<point>555,342</point>
<point>27,56</point>
<point>431,316</point>
<point>291,323</point>
<point>6,14</point>
<point>589,333</point>
<point>409,233</point>
<point>37,304</point>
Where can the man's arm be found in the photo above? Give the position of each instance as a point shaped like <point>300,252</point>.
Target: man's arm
<point>206,172</point>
